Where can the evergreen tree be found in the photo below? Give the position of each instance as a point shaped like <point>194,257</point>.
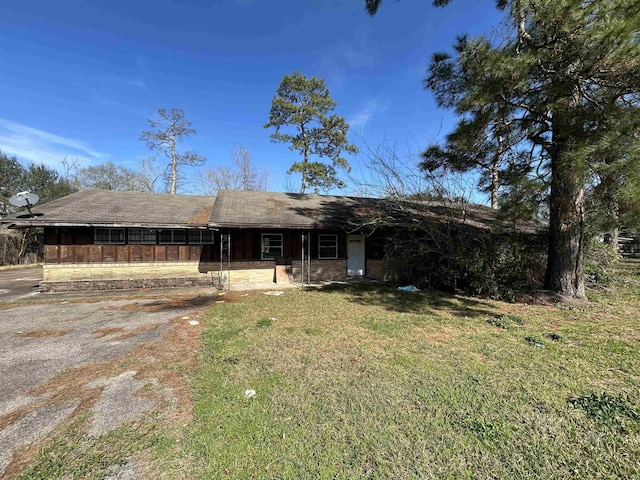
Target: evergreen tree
<point>569,75</point>
<point>304,104</point>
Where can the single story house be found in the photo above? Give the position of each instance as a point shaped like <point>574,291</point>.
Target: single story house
<point>101,239</point>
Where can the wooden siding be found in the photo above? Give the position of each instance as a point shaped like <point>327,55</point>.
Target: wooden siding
<point>124,253</point>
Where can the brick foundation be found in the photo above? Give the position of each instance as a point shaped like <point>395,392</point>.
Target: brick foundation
<point>113,276</point>
<point>322,270</point>
<point>86,285</point>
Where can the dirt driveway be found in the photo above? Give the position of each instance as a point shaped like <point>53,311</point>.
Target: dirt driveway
<point>113,360</point>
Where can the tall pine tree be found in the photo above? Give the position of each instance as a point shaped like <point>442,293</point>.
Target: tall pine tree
<point>569,75</point>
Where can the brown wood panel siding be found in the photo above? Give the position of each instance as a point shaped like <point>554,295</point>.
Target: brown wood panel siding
<point>147,253</point>
<point>296,245</point>
<point>81,254</point>
<point>255,249</point>
<point>51,254</point>
<point>67,254</point>
<point>135,253</point>
<point>238,241</point>
<point>95,253</point>
<point>161,253</point>
<point>122,253</point>
<point>183,253</point>
<point>248,245</point>
<point>108,253</point>
<point>206,253</point>
<point>195,252</point>
<point>172,253</point>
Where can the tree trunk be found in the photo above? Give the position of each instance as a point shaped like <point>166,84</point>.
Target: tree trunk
<point>494,174</point>
<point>304,169</point>
<point>304,180</point>
<point>174,168</point>
<point>614,230</point>
<point>565,271</point>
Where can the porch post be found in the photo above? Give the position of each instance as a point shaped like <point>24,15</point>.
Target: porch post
<point>225,259</point>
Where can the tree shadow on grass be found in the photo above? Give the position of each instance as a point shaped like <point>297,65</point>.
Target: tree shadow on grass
<point>431,303</point>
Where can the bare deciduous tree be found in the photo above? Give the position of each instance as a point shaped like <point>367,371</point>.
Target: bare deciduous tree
<point>388,174</point>
<point>243,175</point>
<point>169,128</point>
<point>147,177</point>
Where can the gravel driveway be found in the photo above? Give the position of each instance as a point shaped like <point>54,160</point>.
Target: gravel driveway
<point>52,354</point>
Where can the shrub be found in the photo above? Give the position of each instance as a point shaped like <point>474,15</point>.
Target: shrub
<point>600,259</point>
<point>464,259</point>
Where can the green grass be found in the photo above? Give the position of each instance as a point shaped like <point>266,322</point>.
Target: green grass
<point>74,454</point>
<point>374,383</point>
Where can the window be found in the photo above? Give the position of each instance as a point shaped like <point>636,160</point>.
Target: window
<point>271,246</point>
<point>109,235</point>
<point>139,236</point>
<point>173,236</point>
<point>200,236</point>
<point>327,246</point>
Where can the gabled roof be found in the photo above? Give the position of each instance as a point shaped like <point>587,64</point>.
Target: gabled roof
<point>128,209</point>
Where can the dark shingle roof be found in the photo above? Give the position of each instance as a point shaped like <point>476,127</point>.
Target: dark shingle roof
<point>108,207</point>
<point>250,209</point>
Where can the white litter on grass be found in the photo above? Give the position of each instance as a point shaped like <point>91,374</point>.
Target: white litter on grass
<point>273,292</point>
<point>220,301</point>
<point>185,318</point>
<point>244,295</point>
<point>249,393</point>
<point>194,322</point>
<point>273,319</point>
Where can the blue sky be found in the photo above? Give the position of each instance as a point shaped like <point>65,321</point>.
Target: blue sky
<point>80,78</point>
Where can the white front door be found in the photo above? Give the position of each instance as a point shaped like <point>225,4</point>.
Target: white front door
<point>355,255</point>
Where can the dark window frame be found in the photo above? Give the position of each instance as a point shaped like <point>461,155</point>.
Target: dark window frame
<point>200,240</point>
<point>145,234</point>
<point>174,232</point>
<point>268,247</point>
<point>325,246</point>
<point>111,232</point>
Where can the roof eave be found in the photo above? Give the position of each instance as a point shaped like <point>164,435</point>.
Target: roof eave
<point>27,223</point>
<point>276,226</point>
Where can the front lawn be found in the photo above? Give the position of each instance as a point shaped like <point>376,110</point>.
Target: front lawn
<point>373,383</point>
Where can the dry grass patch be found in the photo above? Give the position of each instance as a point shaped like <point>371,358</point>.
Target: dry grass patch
<point>44,333</point>
<point>103,332</point>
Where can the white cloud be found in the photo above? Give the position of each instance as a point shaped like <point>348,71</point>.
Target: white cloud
<point>362,116</point>
<point>39,146</point>
<point>132,82</point>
